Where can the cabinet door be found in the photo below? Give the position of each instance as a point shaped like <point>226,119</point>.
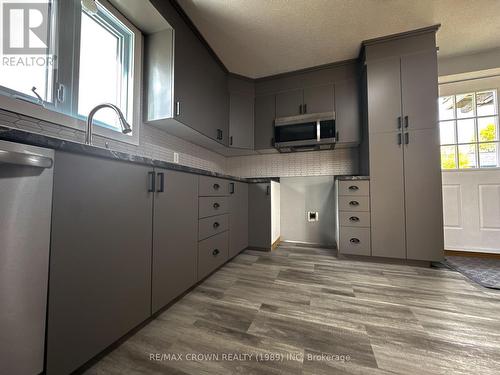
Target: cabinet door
<point>238,217</point>
<point>289,103</point>
<point>241,120</point>
<point>347,112</point>
<point>384,95</point>
<point>387,196</point>
<point>100,261</point>
<point>175,243</point>
<point>265,112</point>
<point>424,206</point>
<point>318,99</point>
<point>420,90</point>
<point>259,215</point>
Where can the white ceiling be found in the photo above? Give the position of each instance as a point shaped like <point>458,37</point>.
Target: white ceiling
<point>258,38</point>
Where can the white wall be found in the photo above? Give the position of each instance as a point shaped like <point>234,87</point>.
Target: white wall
<point>275,211</point>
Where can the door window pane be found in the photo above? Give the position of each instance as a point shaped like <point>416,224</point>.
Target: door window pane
<point>466,131</point>
<point>465,105</point>
<point>448,157</point>
<point>447,132</point>
<point>467,156</point>
<point>487,129</point>
<point>488,155</point>
<point>486,103</point>
<point>446,108</point>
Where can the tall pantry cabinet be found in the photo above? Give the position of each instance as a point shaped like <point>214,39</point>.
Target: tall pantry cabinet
<point>402,115</point>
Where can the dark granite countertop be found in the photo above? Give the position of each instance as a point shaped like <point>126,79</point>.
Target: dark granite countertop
<point>351,178</point>
<point>34,139</point>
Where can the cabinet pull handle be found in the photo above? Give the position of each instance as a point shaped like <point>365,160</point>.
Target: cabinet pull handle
<point>354,219</point>
<point>337,136</point>
<point>216,225</point>
<point>305,108</point>
<point>399,122</point>
<point>354,240</point>
<point>407,138</point>
<point>215,252</point>
<point>216,205</point>
<point>177,108</point>
<point>216,186</point>
<point>399,139</point>
<point>407,123</point>
<point>151,182</point>
<point>161,179</point>
<point>268,190</point>
<point>353,188</point>
<point>231,140</point>
<point>272,142</point>
<point>353,203</point>
<point>219,134</point>
<point>300,108</point>
<point>231,188</point>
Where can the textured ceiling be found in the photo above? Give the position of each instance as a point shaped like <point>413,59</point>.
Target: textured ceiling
<point>257,38</point>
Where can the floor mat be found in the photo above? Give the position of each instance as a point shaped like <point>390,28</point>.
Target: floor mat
<point>484,271</point>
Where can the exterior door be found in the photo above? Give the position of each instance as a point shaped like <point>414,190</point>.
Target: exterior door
<point>423,196</point>
<point>387,196</point>
<point>384,95</point>
<point>175,242</point>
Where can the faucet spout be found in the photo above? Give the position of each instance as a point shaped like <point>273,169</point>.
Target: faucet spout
<point>126,128</point>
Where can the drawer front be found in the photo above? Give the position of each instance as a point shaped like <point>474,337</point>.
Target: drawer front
<point>211,226</point>
<point>354,219</point>
<point>211,206</point>
<point>361,187</point>
<point>212,186</point>
<point>354,203</point>
<point>212,253</point>
<point>355,241</point>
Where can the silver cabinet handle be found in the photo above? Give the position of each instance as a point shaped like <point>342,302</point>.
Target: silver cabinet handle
<point>400,122</point>
<point>407,138</point>
<point>26,159</point>
<point>354,219</point>
<point>354,240</point>
<point>216,186</point>
<point>215,252</point>
<point>407,123</point>
<point>353,188</point>
<point>353,203</point>
<point>177,108</point>
<point>399,139</point>
<point>216,206</point>
<point>216,225</point>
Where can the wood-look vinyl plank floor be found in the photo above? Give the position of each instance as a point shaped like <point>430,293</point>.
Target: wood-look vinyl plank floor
<point>302,310</point>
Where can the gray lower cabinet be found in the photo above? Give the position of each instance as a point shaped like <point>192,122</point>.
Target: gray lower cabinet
<point>238,217</point>
<point>212,253</point>
<point>265,113</point>
<point>100,265</point>
<point>259,215</point>
<point>175,244</point>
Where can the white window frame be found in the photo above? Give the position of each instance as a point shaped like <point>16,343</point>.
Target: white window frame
<point>29,107</point>
<point>477,142</point>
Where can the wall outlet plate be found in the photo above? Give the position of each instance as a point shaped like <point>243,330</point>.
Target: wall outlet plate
<point>176,157</point>
<point>312,216</point>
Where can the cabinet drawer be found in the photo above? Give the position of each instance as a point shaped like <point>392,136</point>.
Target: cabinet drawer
<point>211,206</point>
<point>354,219</point>
<point>354,241</point>
<point>212,253</point>
<point>352,203</point>
<point>212,225</point>
<point>356,187</point>
<point>212,186</point>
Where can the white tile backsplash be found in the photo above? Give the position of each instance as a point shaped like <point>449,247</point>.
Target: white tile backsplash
<point>157,144</point>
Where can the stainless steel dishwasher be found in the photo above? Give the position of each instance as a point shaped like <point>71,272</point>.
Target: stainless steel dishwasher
<point>26,176</point>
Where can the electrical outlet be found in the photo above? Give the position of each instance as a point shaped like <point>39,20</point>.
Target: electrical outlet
<point>176,157</point>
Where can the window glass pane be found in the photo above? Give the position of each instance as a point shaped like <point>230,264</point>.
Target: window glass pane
<point>447,132</point>
<point>488,154</point>
<point>486,103</point>
<point>466,131</point>
<point>465,106</point>
<point>446,108</point>
<point>487,129</point>
<point>100,70</point>
<point>448,157</point>
<point>467,156</point>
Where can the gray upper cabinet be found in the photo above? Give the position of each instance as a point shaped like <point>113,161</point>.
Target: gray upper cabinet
<point>347,112</point>
<point>318,99</point>
<point>238,217</point>
<point>175,243</point>
<point>289,103</point>
<point>201,99</point>
<point>241,113</point>
<point>265,112</point>
<point>100,261</point>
